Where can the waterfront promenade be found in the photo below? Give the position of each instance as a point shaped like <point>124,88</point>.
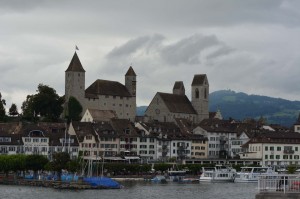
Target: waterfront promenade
<point>280,186</point>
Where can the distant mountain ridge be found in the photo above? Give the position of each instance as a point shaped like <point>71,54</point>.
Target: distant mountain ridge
<point>239,105</point>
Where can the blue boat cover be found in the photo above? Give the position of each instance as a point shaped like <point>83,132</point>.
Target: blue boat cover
<point>103,182</point>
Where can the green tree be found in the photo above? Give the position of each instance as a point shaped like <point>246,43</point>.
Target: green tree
<point>74,109</point>
<point>2,109</point>
<point>28,112</point>
<point>46,103</point>
<point>35,162</point>
<point>13,110</point>
<point>60,161</point>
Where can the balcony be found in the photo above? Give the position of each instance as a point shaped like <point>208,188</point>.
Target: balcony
<point>289,151</point>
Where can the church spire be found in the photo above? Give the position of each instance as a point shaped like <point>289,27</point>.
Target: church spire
<point>75,64</point>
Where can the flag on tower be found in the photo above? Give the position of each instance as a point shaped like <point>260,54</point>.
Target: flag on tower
<point>76,48</point>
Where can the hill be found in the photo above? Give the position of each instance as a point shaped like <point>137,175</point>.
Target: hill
<point>239,106</point>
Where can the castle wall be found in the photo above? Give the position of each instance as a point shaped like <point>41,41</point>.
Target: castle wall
<point>125,107</point>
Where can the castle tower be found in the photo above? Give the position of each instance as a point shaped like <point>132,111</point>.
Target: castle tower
<point>178,88</point>
<point>130,81</point>
<point>200,92</point>
<point>75,80</point>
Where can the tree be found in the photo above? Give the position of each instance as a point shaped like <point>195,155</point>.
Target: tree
<point>74,109</point>
<point>13,110</point>
<point>35,162</point>
<point>2,109</point>
<point>28,109</point>
<point>60,161</point>
<point>46,103</point>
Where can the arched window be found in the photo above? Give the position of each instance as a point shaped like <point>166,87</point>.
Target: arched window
<point>197,93</point>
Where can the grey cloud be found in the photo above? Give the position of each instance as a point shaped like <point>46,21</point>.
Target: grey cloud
<point>132,46</point>
<point>222,51</point>
<point>188,50</point>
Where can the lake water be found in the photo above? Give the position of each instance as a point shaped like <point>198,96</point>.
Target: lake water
<point>138,190</point>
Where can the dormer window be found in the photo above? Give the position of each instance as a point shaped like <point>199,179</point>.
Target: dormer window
<point>127,131</point>
<point>89,137</point>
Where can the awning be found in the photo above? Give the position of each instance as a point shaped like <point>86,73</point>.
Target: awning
<point>132,157</point>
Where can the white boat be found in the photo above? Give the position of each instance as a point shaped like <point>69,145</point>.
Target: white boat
<point>251,174</point>
<point>219,173</point>
<point>176,176</point>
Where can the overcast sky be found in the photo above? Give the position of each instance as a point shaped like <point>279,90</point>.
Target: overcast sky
<point>246,46</point>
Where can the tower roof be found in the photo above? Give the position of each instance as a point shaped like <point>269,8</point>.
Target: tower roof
<point>178,85</point>
<point>199,79</point>
<point>130,72</point>
<point>75,64</point>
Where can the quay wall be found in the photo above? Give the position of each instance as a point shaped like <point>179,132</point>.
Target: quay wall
<point>277,196</point>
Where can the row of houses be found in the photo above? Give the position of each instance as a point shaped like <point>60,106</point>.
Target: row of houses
<point>121,140</point>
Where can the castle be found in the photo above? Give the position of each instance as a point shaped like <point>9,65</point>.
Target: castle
<point>114,96</point>
<point>102,94</point>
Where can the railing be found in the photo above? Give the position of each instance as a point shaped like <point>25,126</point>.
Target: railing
<point>283,183</point>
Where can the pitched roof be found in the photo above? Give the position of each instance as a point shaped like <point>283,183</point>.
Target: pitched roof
<point>198,79</point>
<point>102,115</point>
<point>106,87</point>
<point>75,64</point>
<point>130,72</point>
<point>122,125</point>
<point>83,129</point>
<point>177,103</point>
<point>276,137</point>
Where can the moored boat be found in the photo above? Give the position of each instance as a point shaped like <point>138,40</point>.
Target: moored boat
<point>176,176</point>
<point>252,174</point>
<point>219,173</point>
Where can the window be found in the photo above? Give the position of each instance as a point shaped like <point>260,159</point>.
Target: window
<point>296,148</point>
<point>205,93</point>
<point>266,157</point>
<point>277,157</point>
<point>271,157</point>
<point>271,148</point>
<point>196,93</point>
<point>278,148</point>
<point>89,137</point>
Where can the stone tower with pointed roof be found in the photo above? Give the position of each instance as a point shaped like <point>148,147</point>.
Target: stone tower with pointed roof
<point>178,88</point>
<point>75,80</point>
<point>102,94</point>
<point>130,81</point>
<point>200,92</point>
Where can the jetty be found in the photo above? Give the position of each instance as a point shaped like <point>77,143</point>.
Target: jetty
<point>279,186</point>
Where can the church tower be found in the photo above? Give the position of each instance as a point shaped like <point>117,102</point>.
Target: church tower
<point>178,88</point>
<point>130,81</point>
<point>75,81</point>
<point>200,92</point>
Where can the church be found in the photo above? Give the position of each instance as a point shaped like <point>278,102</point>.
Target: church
<point>102,94</point>
<point>167,107</point>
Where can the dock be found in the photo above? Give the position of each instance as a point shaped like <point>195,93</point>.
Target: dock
<point>280,186</point>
